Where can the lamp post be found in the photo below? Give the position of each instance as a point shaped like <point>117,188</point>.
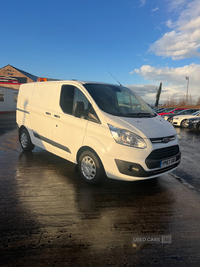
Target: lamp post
<point>187,78</point>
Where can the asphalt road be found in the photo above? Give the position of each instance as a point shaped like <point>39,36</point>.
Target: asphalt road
<point>50,217</point>
<point>188,170</point>
<point>7,122</point>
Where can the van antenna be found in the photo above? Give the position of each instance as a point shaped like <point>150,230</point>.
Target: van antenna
<point>115,78</point>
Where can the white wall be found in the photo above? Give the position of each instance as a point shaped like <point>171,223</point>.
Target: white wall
<point>9,95</point>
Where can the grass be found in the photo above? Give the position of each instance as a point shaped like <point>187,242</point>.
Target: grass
<point>182,103</point>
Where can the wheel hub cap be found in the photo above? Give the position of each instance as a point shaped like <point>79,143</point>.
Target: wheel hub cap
<point>24,140</point>
<point>88,167</point>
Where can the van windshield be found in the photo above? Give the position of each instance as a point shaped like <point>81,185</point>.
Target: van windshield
<point>119,101</point>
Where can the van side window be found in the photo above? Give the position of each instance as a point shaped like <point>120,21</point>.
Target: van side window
<point>81,105</point>
<point>74,102</point>
<point>80,99</point>
<point>92,116</point>
<point>83,108</point>
<point>66,98</point>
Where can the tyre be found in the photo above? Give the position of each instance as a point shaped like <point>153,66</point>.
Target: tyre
<point>183,124</point>
<point>170,119</point>
<point>91,168</point>
<point>25,140</point>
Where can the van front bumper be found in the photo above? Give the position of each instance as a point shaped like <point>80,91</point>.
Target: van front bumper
<point>136,170</point>
<point>170,156</point>
<point>133,167</point>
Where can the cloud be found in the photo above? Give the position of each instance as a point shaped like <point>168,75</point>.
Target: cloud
<point>142,3</point>
<point>184,40</point>
<point>155,9</point>
<point>173,79</point>
<point>176,5</point>
<point>169,24</point>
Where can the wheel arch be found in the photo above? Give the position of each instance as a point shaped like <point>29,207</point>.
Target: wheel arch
<point>182,122</point>
<point>84,148</point>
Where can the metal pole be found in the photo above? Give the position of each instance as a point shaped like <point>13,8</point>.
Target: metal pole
<point>187,78</point>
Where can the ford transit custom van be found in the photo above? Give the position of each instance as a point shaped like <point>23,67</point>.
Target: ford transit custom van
<point>106,129</point>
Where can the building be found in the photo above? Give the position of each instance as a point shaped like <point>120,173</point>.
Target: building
<point>8,99</point>
<point>10,80</point>
<point>12,77</point>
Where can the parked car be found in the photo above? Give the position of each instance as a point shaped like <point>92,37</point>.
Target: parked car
<point>180,120</point>
<point>164,110</point>
<point>173,111</point>
<point>193,123</point>
<point>158,109</point>
<point>169,117</point>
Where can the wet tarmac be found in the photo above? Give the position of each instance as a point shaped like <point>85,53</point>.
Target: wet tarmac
<point>188,170</point>
<point>50,217</point>
<point>7,122</point>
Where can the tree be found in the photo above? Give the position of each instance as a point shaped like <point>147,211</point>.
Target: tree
<point>198,102</point>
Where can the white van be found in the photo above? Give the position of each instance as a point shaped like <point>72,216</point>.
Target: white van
<point>106,129</point>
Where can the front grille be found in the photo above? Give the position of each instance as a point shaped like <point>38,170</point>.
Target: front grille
<point>162,139</point>
<point>163,153</point>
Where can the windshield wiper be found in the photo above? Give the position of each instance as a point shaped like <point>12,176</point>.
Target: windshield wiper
<point>140,115</point>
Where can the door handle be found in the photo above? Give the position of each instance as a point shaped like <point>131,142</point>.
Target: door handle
<point>57,116</point>
<point>48,113</point>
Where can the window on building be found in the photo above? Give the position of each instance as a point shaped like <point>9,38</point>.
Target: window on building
<point>15,97</point>
<point>2,96</point>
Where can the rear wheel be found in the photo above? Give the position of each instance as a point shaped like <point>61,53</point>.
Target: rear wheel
<point>25,140</point>
<point>183,124</point>
<point>91,168</point>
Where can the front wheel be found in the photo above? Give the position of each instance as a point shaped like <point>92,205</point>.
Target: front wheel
<point>25,140</point>
<point>183,124</point>
<point>91,168</point>
<point>170,119</point>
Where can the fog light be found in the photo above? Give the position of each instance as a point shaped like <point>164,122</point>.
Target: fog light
<point>133,169</point>
<point>130,168</point>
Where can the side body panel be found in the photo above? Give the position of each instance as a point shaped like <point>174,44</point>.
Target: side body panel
<point>41,114</point>
<point>23,106</point>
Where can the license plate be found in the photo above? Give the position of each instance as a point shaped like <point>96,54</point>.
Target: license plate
<point>167,162</point>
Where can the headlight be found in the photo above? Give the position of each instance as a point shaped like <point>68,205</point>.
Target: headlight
<point>124,137</point>
<point>194,121</point>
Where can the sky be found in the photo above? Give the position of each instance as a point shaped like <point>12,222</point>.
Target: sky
<point>140,42</point>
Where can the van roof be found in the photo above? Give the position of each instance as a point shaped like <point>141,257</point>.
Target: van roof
<point>78,82</point>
